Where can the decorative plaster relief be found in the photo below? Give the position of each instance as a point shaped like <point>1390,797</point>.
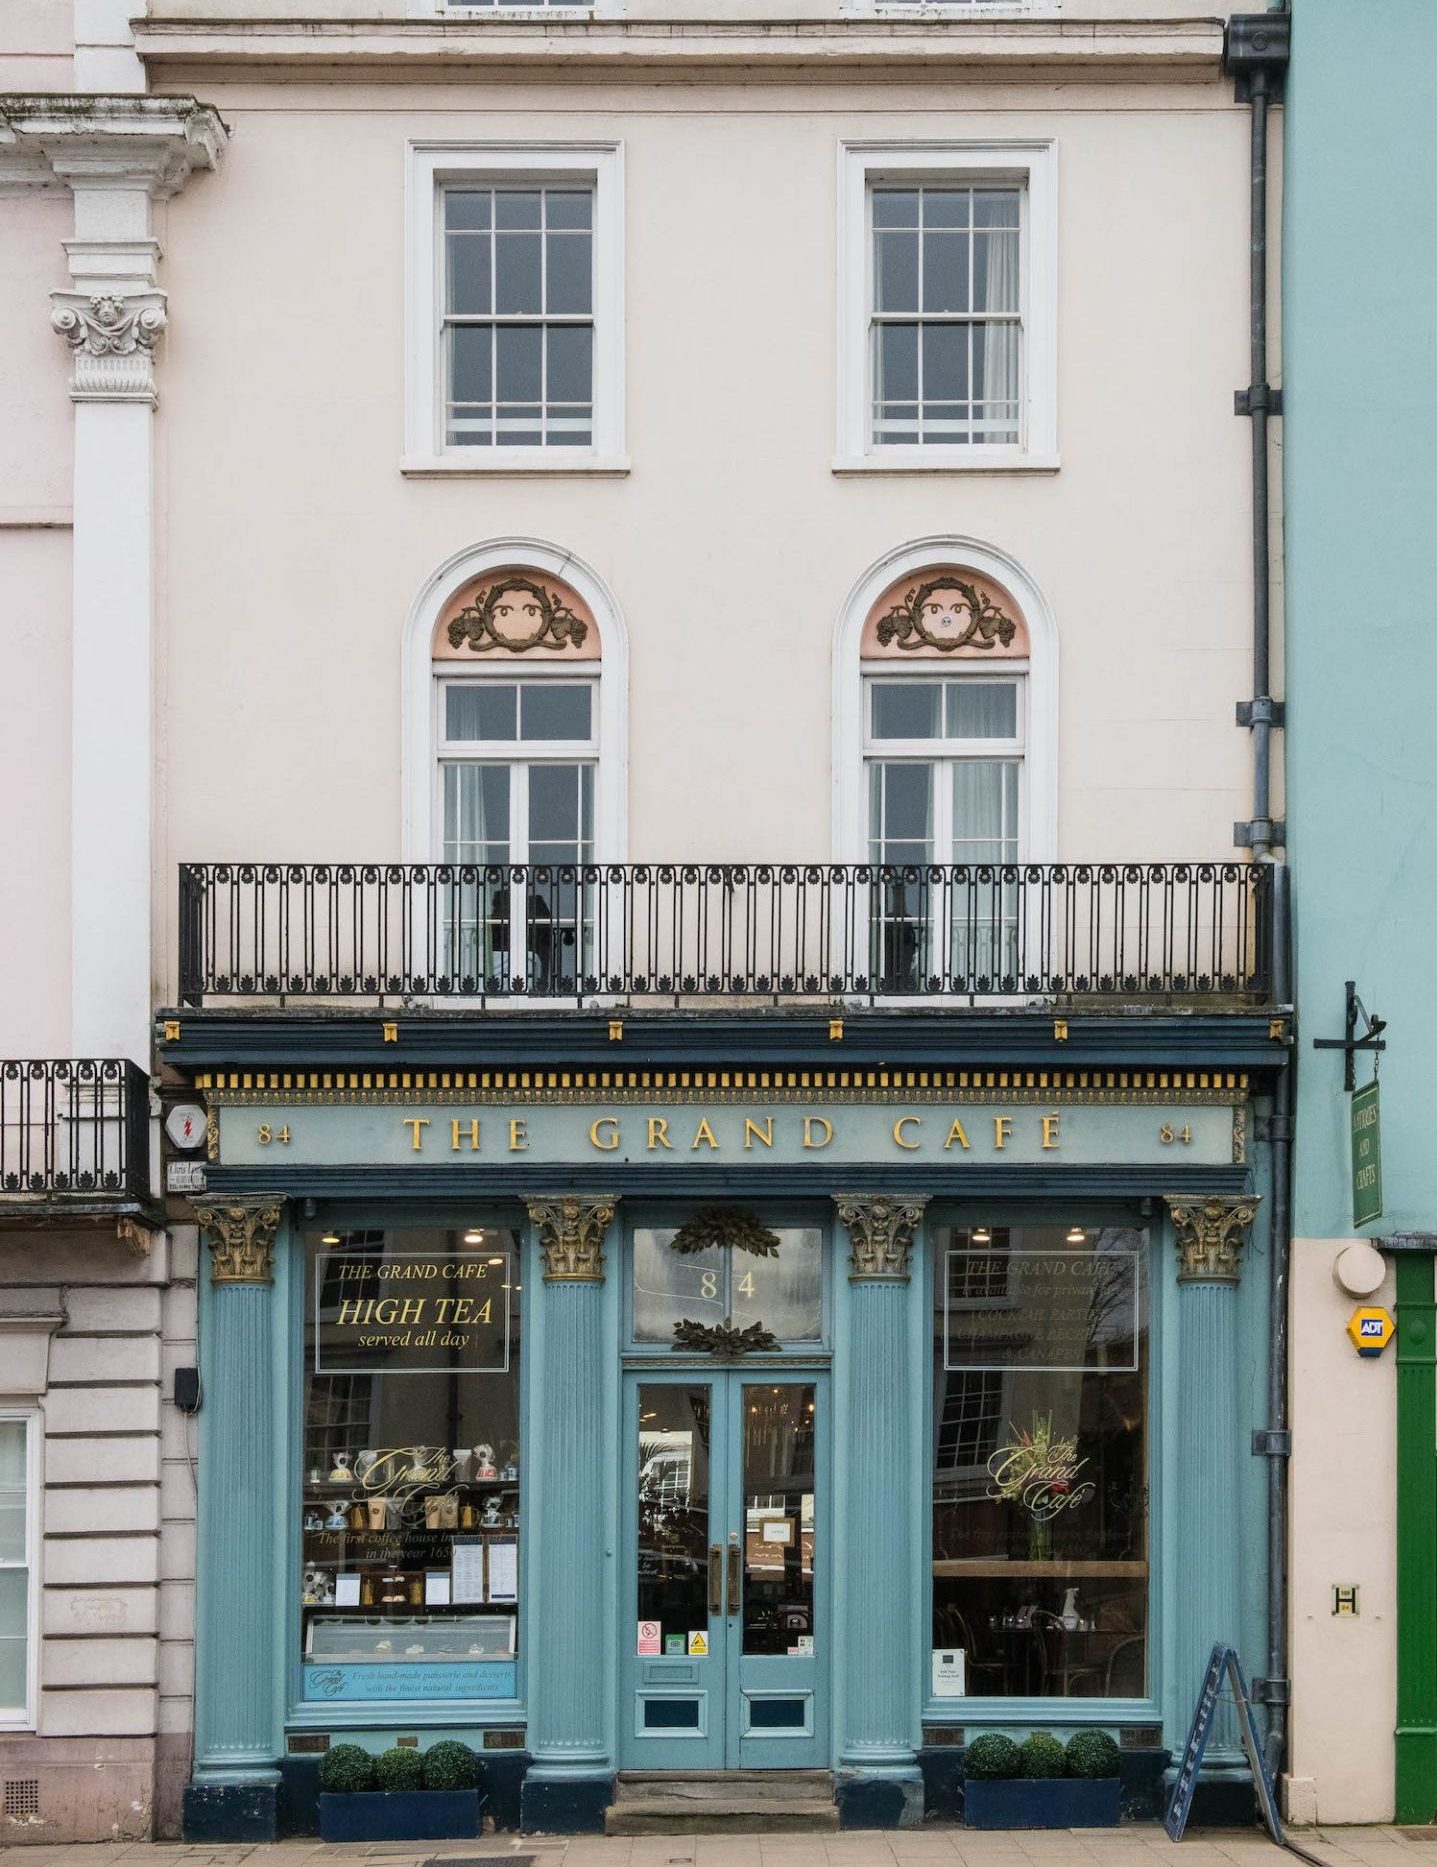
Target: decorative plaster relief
<point>241,1236</point>
<point>943,613</point>
<point>516,613</point>
<point>112,337</point>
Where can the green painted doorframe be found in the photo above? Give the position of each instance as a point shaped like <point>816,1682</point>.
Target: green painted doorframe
<point>1416,1785</point>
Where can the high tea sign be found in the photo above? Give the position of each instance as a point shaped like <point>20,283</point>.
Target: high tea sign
<point>412,1313</point>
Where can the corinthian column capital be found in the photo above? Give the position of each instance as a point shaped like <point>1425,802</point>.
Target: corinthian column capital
<point>241,1235</point>
<point>571,1235</point>
<point>1210,1234</point>
<point>880,1231</point>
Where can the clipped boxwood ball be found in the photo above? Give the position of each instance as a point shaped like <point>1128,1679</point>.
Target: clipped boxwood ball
<point>992,1758</point>
<point>1043,1755</point>
<point>400,1769</point>
<point>451,1765</point>
<point>345,1769</point>
<point>1093,1753</point>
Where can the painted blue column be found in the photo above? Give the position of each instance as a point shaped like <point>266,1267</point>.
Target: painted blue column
<point>234,1792</point>
<point>571,1779</point>
<point>1210,1235</point>
<point>879,1785</point>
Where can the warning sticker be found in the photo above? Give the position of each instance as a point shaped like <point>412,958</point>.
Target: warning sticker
<point>699,1643</point>
<point>650,1636</point>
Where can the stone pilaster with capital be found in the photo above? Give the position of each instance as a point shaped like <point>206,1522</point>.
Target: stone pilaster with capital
<point>880,1231</point>
<point>571,1235</point>
<point>1210,1235</point>
<point>241,1235</point>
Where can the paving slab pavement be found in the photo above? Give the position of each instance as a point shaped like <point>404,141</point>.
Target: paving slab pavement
<point>1143,1845</point>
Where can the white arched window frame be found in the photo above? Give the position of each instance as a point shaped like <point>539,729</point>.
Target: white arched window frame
<point>423,824</point>
<point>424,682</point>
<point>1038,807</point>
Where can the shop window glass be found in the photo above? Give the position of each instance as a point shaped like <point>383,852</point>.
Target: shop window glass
<point>1040,1459</point>
<point>409,1559</point>
<point>780,1291</point>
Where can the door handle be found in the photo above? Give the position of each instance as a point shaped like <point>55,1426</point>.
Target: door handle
<point>733,1578</point>
<point>715,1578</point>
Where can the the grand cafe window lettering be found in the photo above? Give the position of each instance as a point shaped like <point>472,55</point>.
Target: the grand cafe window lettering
<point>1040,1460</point>
<point>409,1582</point>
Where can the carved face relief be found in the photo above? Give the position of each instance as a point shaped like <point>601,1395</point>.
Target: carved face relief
<point>947,612</point>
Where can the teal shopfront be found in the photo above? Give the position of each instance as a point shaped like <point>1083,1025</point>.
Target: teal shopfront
<point>720,1419</point>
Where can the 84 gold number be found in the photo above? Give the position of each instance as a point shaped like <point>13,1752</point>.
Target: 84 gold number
<point>266,1134</point>
<point>1168,1134</point>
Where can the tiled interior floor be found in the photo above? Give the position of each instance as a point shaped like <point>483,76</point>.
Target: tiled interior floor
<point>928,1847</point>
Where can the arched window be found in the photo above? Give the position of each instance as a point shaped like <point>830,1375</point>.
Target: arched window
<point>515,730</point>
<point>944,753</point>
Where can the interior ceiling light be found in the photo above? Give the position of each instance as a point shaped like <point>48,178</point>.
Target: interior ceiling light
<point>982,1234</point>
<point>330,1238</point>
<point>1076,1235</point>
<point>473,1236</point>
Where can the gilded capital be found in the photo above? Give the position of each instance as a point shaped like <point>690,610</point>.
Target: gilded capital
<point>1210,1234</point>
<point>571,1235</point>
<point>241,1234</point>
<point>880,1231</point>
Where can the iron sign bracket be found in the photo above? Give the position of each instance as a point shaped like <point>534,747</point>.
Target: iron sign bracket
<point>1371,1038</point>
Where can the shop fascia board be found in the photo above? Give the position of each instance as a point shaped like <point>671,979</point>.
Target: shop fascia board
<point>815,50</point>
<point>707,1180</point>
<point>148,145</point>
<point>514,1039</point>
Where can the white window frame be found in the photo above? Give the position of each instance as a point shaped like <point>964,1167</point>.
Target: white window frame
<point>29,1417</point>
<point>423,823</point>
<point>514,753</point>
<point>849,775</point>
<point>431,168</point>
<point>1033,168</point>
<point>943,753</point>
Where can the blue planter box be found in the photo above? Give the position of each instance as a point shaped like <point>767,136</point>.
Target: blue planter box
<point>401,1815</point>
<point>1042,1802</point>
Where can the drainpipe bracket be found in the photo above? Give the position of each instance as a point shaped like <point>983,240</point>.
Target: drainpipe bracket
<point>1270,832</point>
<point>1271,1443</point>
<point>1261,399</point>
<point>1270,1692</point>
<point>1264,711</point>
<point>1253,43</point>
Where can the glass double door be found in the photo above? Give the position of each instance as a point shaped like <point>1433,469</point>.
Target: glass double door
<point>726,1608</point>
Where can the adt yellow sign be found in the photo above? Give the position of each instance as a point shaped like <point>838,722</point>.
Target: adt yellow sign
<point>1371,1330</point>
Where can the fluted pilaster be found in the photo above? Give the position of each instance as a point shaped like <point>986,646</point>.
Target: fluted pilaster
<point>875,1553</point>
<point>1210,1236</point>
<point>569,1683</point>
<point>235,1736</point>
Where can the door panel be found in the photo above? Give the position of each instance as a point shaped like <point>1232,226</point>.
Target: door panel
<point>676,1697</point>
<point>774,1715</point>
<point>727,1543</point>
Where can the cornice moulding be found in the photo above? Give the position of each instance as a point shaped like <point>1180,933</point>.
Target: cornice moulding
<point>813,49</point>
<point>154,143</point>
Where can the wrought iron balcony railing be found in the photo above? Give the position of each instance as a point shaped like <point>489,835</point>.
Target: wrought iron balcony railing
<point>693,931</point>
<point>73,1130</point>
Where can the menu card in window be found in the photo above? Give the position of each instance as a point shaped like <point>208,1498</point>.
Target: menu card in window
<point>504,1571</point>
<point>466,1570</point>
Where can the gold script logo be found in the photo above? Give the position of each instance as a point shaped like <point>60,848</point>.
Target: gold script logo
<point>1039,1472</point>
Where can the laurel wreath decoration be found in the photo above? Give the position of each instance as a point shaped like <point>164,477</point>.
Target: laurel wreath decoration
<point>723,1340</point>
<point>713,1227</point>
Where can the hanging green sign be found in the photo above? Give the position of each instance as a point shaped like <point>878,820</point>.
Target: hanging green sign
<point>1366,1155</point>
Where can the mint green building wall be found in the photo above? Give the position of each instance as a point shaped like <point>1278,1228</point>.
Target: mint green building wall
<point>1360,476</point>
<point>1360,491</point>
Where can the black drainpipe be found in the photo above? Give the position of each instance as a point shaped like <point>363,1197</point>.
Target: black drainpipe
<point>1255,54</point>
